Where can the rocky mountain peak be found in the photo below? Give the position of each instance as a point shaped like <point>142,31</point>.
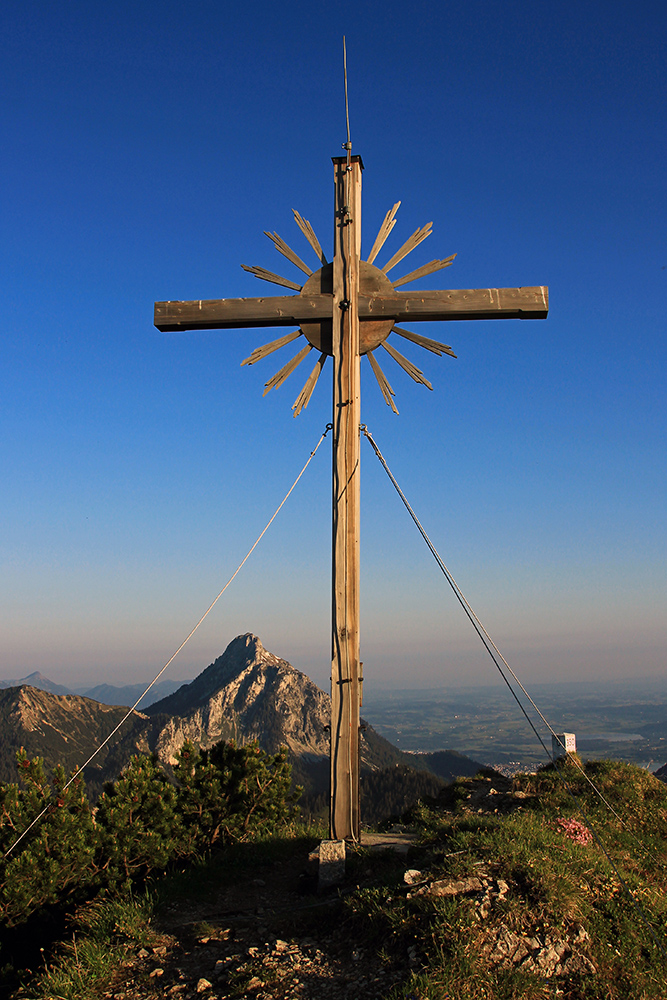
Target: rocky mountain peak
<point>246,694</point>
<point>244,657</point>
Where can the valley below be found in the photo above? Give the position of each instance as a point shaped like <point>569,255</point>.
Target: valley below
<point>622,721</point>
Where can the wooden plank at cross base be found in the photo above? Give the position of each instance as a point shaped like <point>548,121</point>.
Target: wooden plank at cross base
<point>344,820</point>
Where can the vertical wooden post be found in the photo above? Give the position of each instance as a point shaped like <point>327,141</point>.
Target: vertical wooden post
<point>345,693</point>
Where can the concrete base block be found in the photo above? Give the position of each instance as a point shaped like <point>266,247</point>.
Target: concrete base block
<point>332,863</point>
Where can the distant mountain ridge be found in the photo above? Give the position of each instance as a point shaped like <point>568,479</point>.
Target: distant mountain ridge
<point>65,729</point>
<point>39,681</point>
<point>107,694</point>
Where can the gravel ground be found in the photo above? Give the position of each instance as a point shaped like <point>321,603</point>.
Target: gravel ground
<point>267,938</point>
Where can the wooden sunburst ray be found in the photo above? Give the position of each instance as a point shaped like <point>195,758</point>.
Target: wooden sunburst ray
<point>309,233</point>
<point>287,251</point>
<point>287,369</point>
<point>386,227</point>
<point>274,345</point>
<point>302,400</point>
<point>383,382</point>
<point>276,279</point>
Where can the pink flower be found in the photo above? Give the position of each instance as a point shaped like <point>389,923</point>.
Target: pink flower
<point>575,830</point>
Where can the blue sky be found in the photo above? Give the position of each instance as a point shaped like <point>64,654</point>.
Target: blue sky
<point>145,149</point>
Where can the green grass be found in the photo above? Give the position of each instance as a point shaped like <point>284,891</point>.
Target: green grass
<point>554,882</point>
<point>105,932</point>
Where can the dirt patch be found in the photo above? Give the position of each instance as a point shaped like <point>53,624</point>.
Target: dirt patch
<point>267,935</point>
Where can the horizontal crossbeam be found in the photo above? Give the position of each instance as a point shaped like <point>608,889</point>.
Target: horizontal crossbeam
<point>235,314</point>
<point>464,303</point>
<point>288,310</point>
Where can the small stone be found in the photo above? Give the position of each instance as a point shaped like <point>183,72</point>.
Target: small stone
<point>578,965</point>
<point>503,888</point>
<point>581,937</point>
<point>280,945</point>
<point>547,961</point>
<point>451,887</point>
<point>555,941</point>
<point>254,983</point>
<point>160,950</point>
<point>142,953</point>
<point>155,973</point>
<point>411,876</point>
<point>203,985</point>
<point>204,940</point>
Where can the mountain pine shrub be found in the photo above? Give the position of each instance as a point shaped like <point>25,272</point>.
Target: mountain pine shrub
<point>56,860</point>
<point>142,822</point>
<point>230,793</point>
<point>139,828</point>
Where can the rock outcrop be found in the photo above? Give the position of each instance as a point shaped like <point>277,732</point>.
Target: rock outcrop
<point>246,694</point>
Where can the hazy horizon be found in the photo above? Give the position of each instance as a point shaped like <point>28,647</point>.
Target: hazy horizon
<point>376,688</point>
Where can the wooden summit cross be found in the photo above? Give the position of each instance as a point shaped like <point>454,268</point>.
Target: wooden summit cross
<point>345,309</point>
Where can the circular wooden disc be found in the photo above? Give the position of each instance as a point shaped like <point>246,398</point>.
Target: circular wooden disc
<point>372,332</point>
